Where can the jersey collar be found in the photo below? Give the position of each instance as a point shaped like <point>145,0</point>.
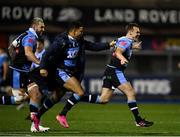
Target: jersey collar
<point>71,38</point>
<point>33,32</point>
<point>131,40</point>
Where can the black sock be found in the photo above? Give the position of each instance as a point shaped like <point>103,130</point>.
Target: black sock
<point>45,107</point>
<point>33,108</point>
<point>70,103</point>
<point>7,100</point>
<point>133,107</point>
<point>90,98</point>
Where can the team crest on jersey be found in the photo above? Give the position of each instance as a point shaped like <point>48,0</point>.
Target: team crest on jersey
<point>30,40</point>
<point>122,43</point>
<point>72,52</point>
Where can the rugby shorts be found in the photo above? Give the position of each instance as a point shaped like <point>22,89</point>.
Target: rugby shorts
<point>18,78</point>
<point>113,77</point>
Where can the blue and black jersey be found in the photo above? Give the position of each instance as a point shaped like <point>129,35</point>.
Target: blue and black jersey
<point>62,54</point>
<point>69,54</point>
<point>28,38</point>
<point>126,44</point>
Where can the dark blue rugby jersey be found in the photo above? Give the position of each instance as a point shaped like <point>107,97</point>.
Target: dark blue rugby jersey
<point>69,54</point>
<point>63,54</point>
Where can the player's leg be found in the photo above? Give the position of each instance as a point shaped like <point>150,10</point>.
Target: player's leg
<point>6,97</point>
<point>7,100</point>
<point>18,84</point>
<point>105,96</point>
<point>35,102</point>
<point>54,93</point>
<point>20,95</point>
<point>123,85</point>
<point>34,106</point>
<point>37,88</point>
<point>51,100</point>
<point>106,92</point>
<point>128,90</point>
<point>72,84</point>
<point>35,97</point>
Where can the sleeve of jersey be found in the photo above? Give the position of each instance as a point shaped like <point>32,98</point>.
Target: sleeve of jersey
<point>122,44</point>
<point>92,46</point>
<point>29,41</point>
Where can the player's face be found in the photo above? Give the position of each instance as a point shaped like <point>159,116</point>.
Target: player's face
<point>135,33</point>
<point>78,32</point>
<point>40,28</point>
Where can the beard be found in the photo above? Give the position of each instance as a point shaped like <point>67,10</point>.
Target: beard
<point>39,34</point>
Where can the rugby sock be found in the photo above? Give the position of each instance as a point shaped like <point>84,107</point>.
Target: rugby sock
<point>45,107</point>
<point>7,100</point>
<point>133,107</point>
<point>70,103</point>
<point>90,98</point>
<point>33,107</point>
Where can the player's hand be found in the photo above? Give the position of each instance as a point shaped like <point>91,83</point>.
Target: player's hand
<point>137,45</point>
<point>124,61</point>
<point>112,43</point>
<point>38,63</point>
<point>43,72</point>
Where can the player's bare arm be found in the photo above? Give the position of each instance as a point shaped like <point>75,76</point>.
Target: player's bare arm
<point>119,55</point>
<point>30,55</point>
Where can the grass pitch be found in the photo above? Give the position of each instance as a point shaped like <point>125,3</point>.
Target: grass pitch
<point>95,120</point>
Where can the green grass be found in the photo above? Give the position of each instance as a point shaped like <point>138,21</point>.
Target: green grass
<point>96,120</point>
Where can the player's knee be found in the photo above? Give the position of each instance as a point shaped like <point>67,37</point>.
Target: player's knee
<point>35,96</point>
<point>131,93</point>
<point>34,92</point>
<point>38,95</point>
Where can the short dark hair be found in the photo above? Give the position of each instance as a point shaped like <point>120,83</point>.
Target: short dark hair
<point>73,25</point>
<point>130,26</point>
